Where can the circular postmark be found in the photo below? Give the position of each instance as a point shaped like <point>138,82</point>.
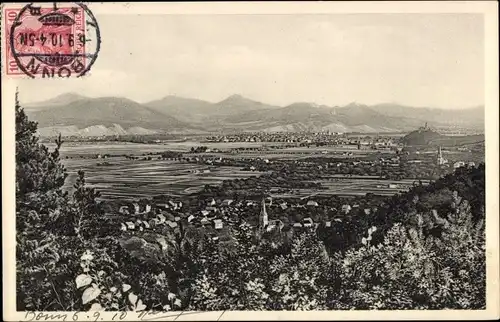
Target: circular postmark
<point>54,40</point>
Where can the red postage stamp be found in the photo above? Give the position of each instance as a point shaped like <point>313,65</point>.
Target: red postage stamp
<point>46,40</point>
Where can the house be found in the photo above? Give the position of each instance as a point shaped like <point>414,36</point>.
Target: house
<point>130,225</point>
<point>458,164</point>
<point>148,208</point>
<point>162,205</point>
<point>471,164</point>
<point>218,224</point>
<point>123,227</point>
<point>346,208</point>
<point>146,224</point>
<point>212,203</point>
<point>177,218</point>
<point>161,218</point>
<point>297,225</point>
<point>275,224</point>
<point>214,209</point>
<point>227,202</point>
<point>283,206</point>
<point>308,222</point>
<point>337,220</point>
<point>205,221</point>
<point>328,224</point>
<point>136,208</point>
<point>392,186</point>
<point>252,168</point>
<point>124,210</point>
<point>205,212</point>
<point>312,203</point>
<point>367,211</point>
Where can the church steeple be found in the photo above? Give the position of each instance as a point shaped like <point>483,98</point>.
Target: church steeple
<point>263,218</point>
<point>440,159</point>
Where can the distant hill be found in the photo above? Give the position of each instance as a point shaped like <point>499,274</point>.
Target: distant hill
<point>105,111</point>
<point>184,109</point>
<point>429,137</point>
<point>471,116</point>
<point>422,136</point>
<point>310,116</point>
<point>94,130</point>
<point>60,100</point>
<point>203,112</point>
<point>236,104</point>
<point>72,113</point>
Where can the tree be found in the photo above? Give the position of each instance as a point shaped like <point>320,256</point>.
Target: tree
<point>38,170</point>
<point>412,270</point>
<point>47,246</point>
<point>298,279</point>
<point>40,215</point>
<point>86,208</point>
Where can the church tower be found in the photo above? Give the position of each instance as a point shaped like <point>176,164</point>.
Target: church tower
<point>263,218</point>
<point>440,160</point>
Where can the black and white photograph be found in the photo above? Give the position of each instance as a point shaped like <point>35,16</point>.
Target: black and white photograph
<point>164,161</point>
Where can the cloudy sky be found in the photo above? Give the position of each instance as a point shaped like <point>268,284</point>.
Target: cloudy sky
<point>416,59</point>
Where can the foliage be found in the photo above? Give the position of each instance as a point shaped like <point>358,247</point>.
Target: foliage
<point>409,270</point>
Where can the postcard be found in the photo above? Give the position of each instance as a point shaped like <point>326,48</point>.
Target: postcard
<point>217,161</point>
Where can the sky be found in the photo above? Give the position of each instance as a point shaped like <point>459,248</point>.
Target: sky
<point>433,60</point>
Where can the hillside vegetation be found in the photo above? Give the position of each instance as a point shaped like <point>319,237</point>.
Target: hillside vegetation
<point>429,137</point>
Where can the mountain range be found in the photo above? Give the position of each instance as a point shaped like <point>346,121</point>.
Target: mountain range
<point>74,114</point>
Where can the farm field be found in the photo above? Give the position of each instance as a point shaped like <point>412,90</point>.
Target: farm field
<point>352,186</point>
<point>118,177</point>
<point>129,179</point>
<point>91,148</point>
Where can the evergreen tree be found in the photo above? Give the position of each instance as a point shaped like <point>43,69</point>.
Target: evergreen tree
<point>38,170</point>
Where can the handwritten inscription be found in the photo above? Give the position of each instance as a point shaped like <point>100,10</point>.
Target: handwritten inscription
<point>107,316</point>
<point>76,316</point>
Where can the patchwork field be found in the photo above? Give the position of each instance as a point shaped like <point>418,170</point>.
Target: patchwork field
<point>118,177</point>
<point>129,179</point>
<point>91,148</point>
<point>352,186</point>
